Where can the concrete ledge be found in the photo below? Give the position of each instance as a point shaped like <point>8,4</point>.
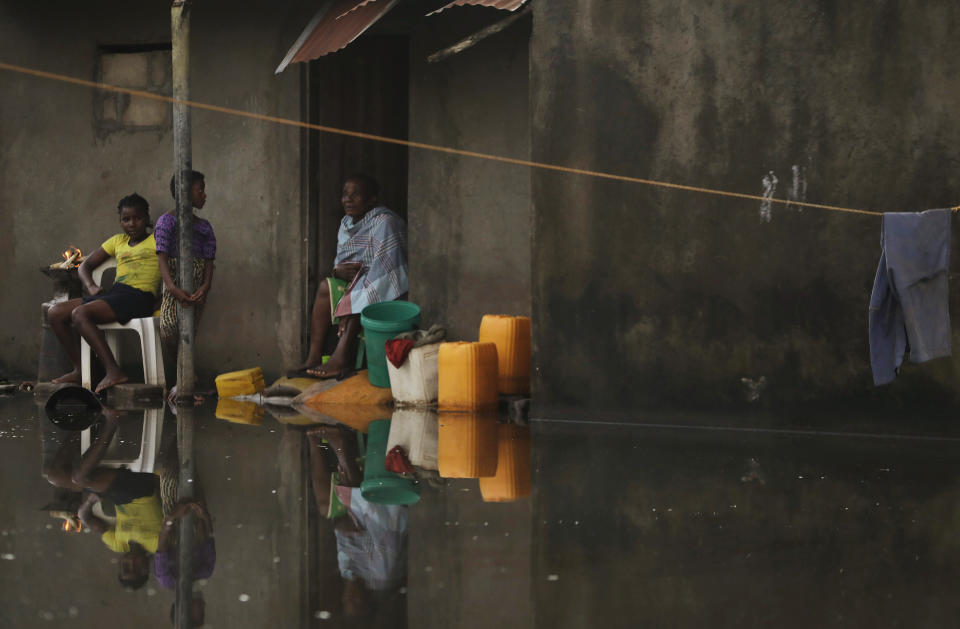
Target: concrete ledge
<point>134,396</point>
<point>43,390</point>
<point>123,397</point>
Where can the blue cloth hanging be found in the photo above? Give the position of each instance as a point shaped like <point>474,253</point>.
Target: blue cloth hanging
<point>909,305</point>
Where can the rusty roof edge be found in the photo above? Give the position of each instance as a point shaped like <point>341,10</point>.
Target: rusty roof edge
<point>485,3</point>
<point>362,3</point>
<point>304,35</point>
<point>390,5</point>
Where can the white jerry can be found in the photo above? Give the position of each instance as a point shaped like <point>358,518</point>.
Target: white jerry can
<point>414,383</point>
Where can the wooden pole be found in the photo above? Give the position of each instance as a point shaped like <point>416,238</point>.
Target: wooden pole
<point>183,164</point>
<point>480,35</point>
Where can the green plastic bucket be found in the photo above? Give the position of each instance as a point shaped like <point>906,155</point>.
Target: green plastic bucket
<point>380,486</point>
<point>381,322</point>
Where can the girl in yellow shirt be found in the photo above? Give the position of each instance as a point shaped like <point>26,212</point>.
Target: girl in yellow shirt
<point>133,294</point>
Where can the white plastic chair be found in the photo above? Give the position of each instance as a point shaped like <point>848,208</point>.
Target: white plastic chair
<point>149,330</point>
<point>149,443</point>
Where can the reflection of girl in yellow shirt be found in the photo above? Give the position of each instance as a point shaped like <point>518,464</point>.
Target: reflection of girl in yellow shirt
<point>138,521</point>
<point>133,294</point>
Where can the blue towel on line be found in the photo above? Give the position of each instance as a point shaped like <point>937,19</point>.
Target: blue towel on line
<point>909,304</point>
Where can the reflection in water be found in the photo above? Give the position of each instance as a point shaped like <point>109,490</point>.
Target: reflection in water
<point>728,529</point>
<point>135,526</point>
<point>126,491</point>
<point>467,445</point>
<point>186,520</point>
<point>623,527</point>
<point>512,479</point>
<point>371,538</point>
<point>204,553</point>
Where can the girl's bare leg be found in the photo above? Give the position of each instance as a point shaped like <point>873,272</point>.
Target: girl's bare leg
<point>59,318</point>
<point>85,319</point>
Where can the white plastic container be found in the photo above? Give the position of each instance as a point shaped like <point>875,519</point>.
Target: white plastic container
<point>415,382</point>
<point>416,431</point>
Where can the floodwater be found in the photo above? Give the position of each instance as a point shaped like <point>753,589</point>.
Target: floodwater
<point>624,526</point>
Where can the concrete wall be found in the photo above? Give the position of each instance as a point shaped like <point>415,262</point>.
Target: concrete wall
<point>61,178</point>
<point>468,219</point>
<point>648,298</point>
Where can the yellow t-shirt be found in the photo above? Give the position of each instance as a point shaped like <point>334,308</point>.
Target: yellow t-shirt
<point>139,521</point>
<point>137,266</point>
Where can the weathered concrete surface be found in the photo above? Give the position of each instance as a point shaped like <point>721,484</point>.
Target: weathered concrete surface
<point>650,298</point>
<point>469,219</point>
<point>134,395</point>
<point>60,182</point>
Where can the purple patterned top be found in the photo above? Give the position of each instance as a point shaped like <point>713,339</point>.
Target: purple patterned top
<point>166,235</point>
<point>166,569</point>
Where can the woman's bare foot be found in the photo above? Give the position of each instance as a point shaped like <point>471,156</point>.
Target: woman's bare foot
<point>303,371</point>
<point>111,379</point>
<point>68,378</point>
<point>330,369</point>
<point>309,363</point>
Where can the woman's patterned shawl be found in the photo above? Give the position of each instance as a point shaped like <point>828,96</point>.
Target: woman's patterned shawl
<point>379,241</point>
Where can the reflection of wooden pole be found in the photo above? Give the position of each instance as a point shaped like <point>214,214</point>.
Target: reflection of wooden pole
<point>182,164</point>
<point>463,44</point>
<point>185,491</point>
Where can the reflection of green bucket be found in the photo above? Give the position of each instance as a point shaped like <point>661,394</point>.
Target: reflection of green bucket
<point>381,322</point>
<point>379,485</point>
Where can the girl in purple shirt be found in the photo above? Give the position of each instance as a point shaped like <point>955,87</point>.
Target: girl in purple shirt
<point>204,253</point>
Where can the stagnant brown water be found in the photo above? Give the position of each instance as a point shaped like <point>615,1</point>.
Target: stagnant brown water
<point>625,526</point>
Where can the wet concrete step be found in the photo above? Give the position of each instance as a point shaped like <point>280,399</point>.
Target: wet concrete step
<point>130,396</point>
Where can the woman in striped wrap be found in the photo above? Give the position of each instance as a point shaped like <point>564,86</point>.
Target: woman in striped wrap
<point>370,267</point>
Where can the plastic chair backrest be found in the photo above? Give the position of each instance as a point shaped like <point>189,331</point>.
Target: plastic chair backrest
<point>97,273</point>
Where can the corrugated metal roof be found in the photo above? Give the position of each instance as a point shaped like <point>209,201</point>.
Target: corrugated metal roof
<point>336,24</point>
<point>359,4</point>
<point>506,5</point>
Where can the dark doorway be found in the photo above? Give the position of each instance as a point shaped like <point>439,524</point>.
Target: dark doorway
<point>363,87</point>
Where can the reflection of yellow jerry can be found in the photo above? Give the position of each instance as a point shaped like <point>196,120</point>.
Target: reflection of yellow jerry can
<point>244,382</point>
<point>239,412</point>
<point>511,335</point>
<point>512,480</point>
<point>467,445</point>
<point>467,377</point>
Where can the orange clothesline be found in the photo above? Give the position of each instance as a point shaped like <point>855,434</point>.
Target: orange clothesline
<point>433,147</point>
